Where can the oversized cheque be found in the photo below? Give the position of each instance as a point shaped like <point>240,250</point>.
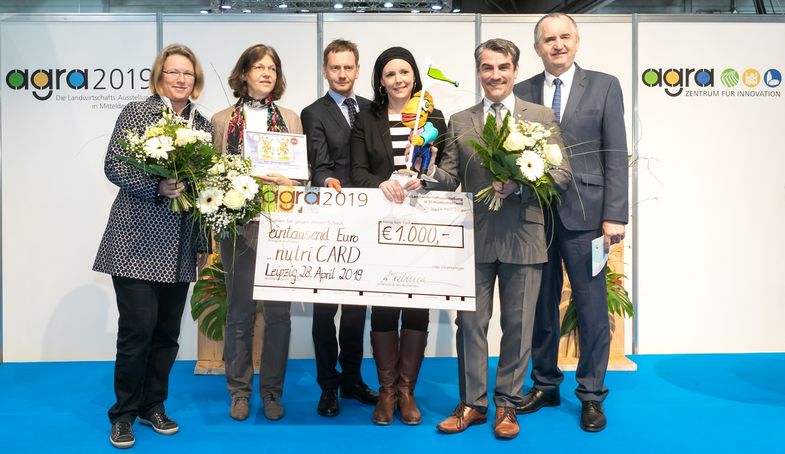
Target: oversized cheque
<point>356,247</point>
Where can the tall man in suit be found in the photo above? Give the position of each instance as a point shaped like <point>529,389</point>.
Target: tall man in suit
<point>509,245</point>
<point>591,113</point>
<point>328,126</point>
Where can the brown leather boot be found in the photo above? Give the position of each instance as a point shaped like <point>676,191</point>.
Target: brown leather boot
<point>385,353</point>
<point>412,352</point>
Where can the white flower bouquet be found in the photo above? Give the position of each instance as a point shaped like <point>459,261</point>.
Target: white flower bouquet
<point>520,153</point>
<point>171,149</point>
<point>229,196</point>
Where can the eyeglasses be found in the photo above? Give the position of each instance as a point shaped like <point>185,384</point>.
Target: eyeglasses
<point>174,74</point>
<point>260,68</point>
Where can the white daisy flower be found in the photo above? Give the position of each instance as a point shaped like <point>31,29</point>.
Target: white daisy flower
<point>158,147</point>
<point>210,199</point>
<point>532,165</point>
<point>245,185</point>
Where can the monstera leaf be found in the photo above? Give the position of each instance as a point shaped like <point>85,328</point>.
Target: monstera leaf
<point>209,299</point>
<point>619,302</point>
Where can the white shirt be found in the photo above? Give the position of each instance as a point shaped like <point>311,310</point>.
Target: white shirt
<point>508,102</point>
<point>255,119</point>
<point>339,99</point>
<point>548,89</point>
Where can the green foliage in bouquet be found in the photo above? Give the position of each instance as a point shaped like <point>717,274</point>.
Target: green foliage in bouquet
<point>619,302</point>
<point>501,162</point>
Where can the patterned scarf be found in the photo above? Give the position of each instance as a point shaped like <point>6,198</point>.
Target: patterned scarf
<point>236,130</point>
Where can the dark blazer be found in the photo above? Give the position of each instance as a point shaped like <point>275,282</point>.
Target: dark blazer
<point>515,234</point>
<point>372,153</point>
<point>592,128</point>
<point>144,239</point>
<point>329,137</point>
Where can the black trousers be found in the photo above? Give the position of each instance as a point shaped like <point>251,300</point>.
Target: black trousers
<point>591,304</point>
<point>325,345</point>
<point>386,318</point>
<point>147,332</point>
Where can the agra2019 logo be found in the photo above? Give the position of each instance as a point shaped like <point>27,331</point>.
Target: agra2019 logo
<point>43,82</point>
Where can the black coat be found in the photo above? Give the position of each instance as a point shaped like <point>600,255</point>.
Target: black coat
<point>144,239</point>
<point>372,153</point>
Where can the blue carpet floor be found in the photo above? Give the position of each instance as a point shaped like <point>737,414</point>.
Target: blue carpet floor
<point>672,404</point>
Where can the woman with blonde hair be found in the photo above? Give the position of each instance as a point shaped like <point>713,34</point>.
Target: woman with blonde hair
<point>151,253</point>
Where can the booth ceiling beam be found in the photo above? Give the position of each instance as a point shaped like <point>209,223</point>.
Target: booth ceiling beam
<point>321,6</point>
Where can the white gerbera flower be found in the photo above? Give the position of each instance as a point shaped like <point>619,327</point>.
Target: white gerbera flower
<point>234,199</point>
<point>553,154</point>
<point>158,147</point>
<point>532,165</point>
<point>515,141</point>
<point>245,185</point>
<point>210,199</point>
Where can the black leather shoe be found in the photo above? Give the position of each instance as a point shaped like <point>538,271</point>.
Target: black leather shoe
<point>361,392</point>
<point>328,403</point>
<point>536,399</point>
<point>592,416</point>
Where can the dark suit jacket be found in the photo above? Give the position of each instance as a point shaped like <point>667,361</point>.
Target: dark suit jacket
<point>372,153</point>
<point>515,233</point>
<point>329,136</point>
<point>592,128</point>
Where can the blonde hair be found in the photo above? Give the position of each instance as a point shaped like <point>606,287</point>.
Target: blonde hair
<point>156,75</point>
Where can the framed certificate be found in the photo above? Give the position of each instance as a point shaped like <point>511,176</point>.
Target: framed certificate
<point>277,152</point>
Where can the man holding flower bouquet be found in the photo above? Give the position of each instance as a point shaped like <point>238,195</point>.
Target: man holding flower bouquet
<point>509,236</point>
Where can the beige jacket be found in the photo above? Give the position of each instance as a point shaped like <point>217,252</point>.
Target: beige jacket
<point>220,123</point>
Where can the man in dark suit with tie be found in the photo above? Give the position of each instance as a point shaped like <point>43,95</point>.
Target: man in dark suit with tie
<point>589,107</point>
<point>327,123</point>
<point>509,246</point>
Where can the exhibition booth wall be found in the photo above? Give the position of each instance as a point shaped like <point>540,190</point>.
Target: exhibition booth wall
<point>703,108</point>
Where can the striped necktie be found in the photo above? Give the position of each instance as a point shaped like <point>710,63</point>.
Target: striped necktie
<point>497,113</point>
<point>556,105</point>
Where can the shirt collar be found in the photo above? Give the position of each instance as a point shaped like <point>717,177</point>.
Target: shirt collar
<point>509,103</point>
<point>339,98</point>
<point>566,78</point>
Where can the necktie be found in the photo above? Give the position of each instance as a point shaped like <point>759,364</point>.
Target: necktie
<point>351,106</point>
<point>497,112</point>
<point>556,106</point>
